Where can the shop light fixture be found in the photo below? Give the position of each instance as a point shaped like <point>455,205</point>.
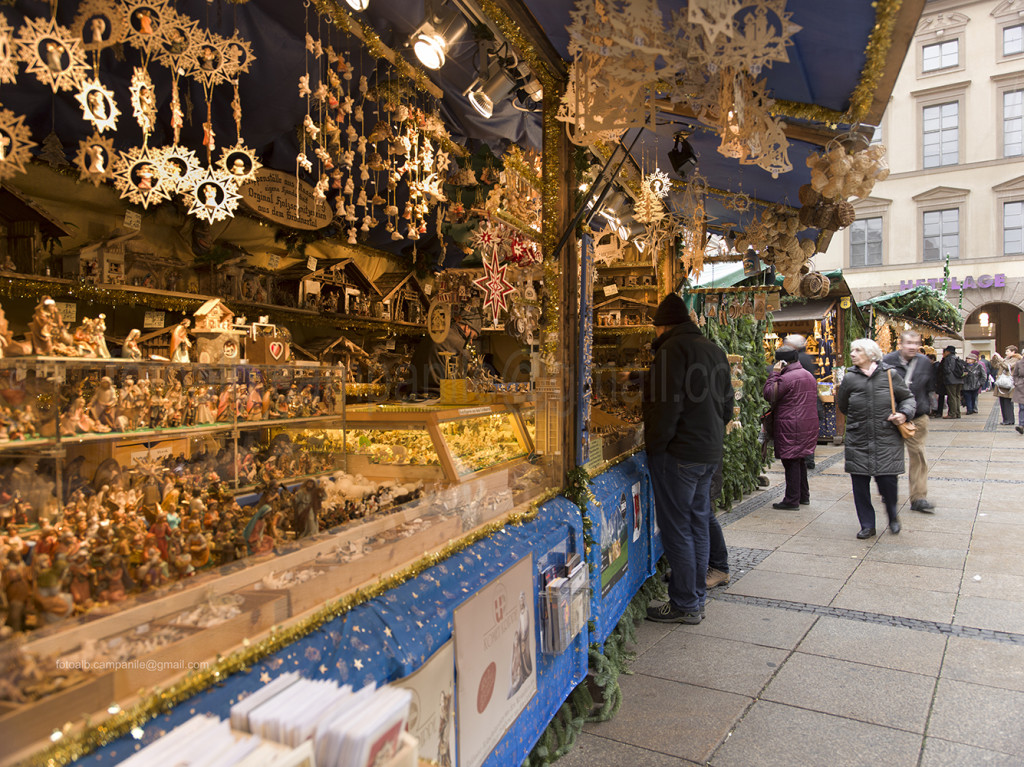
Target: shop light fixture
<point>983,319</point>
<point>682,156</point>
<point>485,92</point>
<point>358,5</point>
<point>615,207</point>
<point>629,227</point>
<point>432,40</point>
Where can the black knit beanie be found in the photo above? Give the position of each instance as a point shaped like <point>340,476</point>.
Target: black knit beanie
<point>671,311</point>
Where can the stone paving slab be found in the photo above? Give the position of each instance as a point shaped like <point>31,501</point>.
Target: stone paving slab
<point>998,614</point>
<point>900,576</point>
<point>979,561</point>
<point>917,555</point>
<point>874,644</point>
<point>942,753</point>
<point>910,603</point>
<point>713,662</point>
<point>755,625</point>
<point>682,720</point>
<point>751,539</point>
<point>993,586</point>
<point>844,547</point>
<point>593,749</point>
<point>813,565</point>
<point>981,662</point>
<point>978,715</point>
<point>793,588</point>
<point>774,735</point>
<point>866,693</point>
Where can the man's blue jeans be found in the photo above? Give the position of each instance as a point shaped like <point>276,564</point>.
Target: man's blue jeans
<point>682,502</point>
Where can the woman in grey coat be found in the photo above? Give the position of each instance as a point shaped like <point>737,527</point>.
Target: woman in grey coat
<point>874,447</point>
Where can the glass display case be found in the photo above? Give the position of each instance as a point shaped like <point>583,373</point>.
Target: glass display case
<point>156,514</point>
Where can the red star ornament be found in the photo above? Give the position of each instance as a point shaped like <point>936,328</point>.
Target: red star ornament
<point>495,286</point>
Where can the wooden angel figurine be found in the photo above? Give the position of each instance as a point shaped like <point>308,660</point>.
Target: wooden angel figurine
<point>180,343</point>
<point>130,349</point>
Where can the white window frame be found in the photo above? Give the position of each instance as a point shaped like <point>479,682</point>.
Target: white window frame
<point>929,97</point>
<point>881,239</point>
<point>1009,13</point>
<point>943,252</point>
<point>941,44</point>
<point>940,28</point>
<point>1002,211</point>
<point>943,198</point>
<point>941,133</point>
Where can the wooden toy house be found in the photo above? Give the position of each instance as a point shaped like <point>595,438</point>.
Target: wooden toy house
<point>403,297</point>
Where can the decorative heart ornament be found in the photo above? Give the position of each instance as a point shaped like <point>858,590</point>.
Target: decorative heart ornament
<point>276,349</point>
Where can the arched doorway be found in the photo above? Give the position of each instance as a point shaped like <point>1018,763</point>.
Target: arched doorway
<point>993,327</point>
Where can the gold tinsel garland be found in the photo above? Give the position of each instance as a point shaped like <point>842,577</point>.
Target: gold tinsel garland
<point>73,747</point>
<point>876,53</point>
<point>513,160</point>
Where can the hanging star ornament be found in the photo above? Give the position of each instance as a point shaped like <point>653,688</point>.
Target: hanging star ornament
<point>238,56</point>
<point>8,61</point>
<point>208,63</point>
<point>95,159</point>
<point>495,285</point>
<point>215,196</point>
<point>715,17</point>
<point>98,105</point>
<point>239,163</point>
<point>138,175</point>
<point>51,53</point>
<point>15,143</point>
<point>144,19</point>
<point>143,101</point>
<point>175,47</point>
<point>99,24</point>
<point>180,168</point>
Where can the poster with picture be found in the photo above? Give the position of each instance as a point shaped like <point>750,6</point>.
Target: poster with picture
<point>614,542</point>
<point>638,516</point>
<point>432,711</point>
<point>495,652</point>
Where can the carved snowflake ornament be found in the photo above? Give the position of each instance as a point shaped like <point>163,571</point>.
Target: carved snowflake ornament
<point>175,47</point>
<point>715,17</point>
<point>179,168</point>
<point>99,24</point>
<point>139,176</point>
<point>208,64</point>
<point>215,196</point>
<point>239,162</point>
<point>98,105</point>
<point>15,143</point>
<point>495,285</point>
<point>95,159</point>
<point>144,20</point>
<point>8,61</point>
<point>51,53</point>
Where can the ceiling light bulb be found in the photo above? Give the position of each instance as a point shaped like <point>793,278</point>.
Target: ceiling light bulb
<point>430,50</point>
<point>435,36</point>
<point>358,5</point>
<point>983,319</point>
<point>493,90</point>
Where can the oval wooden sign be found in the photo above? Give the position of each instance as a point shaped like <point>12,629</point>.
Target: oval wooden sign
<point>273,196</point>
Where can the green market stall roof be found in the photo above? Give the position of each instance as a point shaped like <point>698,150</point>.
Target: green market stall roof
<point>922,305</point>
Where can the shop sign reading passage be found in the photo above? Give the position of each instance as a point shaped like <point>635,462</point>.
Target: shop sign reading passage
<point>274,196</point>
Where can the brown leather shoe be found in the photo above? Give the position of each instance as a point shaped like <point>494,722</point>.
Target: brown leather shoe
<point>716,578</point>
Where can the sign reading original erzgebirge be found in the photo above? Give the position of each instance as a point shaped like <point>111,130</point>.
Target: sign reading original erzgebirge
<point>273,195</point>
<point>983,282</point>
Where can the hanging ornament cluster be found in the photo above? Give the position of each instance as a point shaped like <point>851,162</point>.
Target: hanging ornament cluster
<point>713,51</point>
<point>774,236</point>
<point>15,143</point>
<point>838,174</point>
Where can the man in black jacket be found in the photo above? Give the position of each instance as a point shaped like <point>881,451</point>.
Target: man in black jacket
<point>916,370</point>
<point>952,372</point>
<point>688,401</point>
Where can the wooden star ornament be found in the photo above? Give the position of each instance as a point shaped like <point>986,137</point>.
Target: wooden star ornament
<point>15,143</point>
<point>98,105</point>
<point>495,285</point>
<point>51,53</point>
<point>95,159</point>
<point>8,61</point>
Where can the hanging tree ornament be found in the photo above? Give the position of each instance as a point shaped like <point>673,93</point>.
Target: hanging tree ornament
<point>144,19</point>
<point>143,101</point>
<point>51,53</point>
<point>95,159</point>
<point>180,168</point>
<point>215,196</point>
<point>239,163</point>
<point>658,183</point>
<point>208,64</point>
<point>238,56</point>
<point>8,61</point>
<point>176,51</point>
<point>98,105</point>
<point>138,175</point>
<point>15,143</point>
<point>99,24</point>
<point>495,285</point>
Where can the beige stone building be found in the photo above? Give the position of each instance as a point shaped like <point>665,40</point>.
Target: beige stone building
<point>954,130</point>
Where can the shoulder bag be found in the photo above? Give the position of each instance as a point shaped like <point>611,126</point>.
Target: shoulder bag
<point>907,429</point>
<point>1004,380</point>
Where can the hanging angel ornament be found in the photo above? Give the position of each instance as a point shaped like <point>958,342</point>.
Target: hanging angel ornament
<point>215,196</point>
<point>175,44</point>
<point>99,24</point>
<point>15,143</point>
<point>98,105</point>
<point>239,163</point>
<point>238,56</point>
<point>95,159</point>
<point>8,61</point>
<point>144,21</point>
<point>139,176</point>
<point>179,169</point>
<point>52,54</point>
<point>208,64</point>
<point>143,101</point>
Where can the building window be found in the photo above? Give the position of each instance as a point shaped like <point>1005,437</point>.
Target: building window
<point>1013,123</point>
<point>942,134</point>
<point>1013,228</point>
<point>940,55</point>
<point>866,242</point>
<point>941,234</point>
<point>1013,40</point>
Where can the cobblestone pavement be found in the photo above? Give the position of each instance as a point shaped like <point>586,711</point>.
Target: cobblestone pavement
<point>827,650</point>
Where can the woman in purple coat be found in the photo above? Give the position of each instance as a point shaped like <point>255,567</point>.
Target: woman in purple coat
<point>793,392</point>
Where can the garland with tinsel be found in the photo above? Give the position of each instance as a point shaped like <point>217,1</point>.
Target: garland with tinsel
<point>922,305</point>
<point>876,54</point>
<point>159,701</point>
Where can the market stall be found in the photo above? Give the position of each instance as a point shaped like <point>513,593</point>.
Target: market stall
<point>311,311</point>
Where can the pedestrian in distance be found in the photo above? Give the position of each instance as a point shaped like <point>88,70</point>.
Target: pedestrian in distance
<point>973,382</point>
<point>793,394</point>
<point>954,373</point>
<point>688,400</point>
<point>873,444</point>
<point>916,371</point>
<point>1002,371</point>
<point>799,342</point>
<point>1018,393</point>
